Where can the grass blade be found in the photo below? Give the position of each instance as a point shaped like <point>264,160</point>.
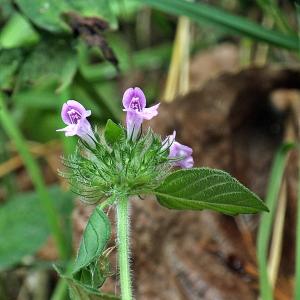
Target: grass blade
<point>270,7</point>
<point>265,226</point>
<point>240,25</point>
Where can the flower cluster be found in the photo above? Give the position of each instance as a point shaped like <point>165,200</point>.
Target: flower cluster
<point>133,162</point>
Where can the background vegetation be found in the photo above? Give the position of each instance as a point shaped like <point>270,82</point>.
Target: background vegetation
<point>55,50</point>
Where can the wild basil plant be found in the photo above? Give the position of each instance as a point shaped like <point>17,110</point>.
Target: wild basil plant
<point>110,166</point>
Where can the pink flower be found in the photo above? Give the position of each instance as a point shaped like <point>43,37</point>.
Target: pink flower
<point>134,102</point>
<point>74,116</point>
<point>178,151</point>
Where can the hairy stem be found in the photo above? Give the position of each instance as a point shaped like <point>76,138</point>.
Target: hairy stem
<point>123,247</point>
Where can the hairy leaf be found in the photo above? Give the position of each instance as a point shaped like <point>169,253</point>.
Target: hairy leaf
<point>204,188</point>
<point>94,239</point>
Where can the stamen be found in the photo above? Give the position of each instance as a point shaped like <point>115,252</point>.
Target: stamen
<point>74,116</point>
<point>135,104</point>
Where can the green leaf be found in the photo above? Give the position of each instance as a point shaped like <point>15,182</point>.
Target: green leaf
<point>17,32</point>
<point>113,132</point>
<point>48,14</point>
<point>52,61</point>
<point>7,9</point>
<point>204,188</point>
<point>23,225</point>
<point>95,274</point>
<point>39,98</point>
<point>226,21</point>
<point>108,93</point>
<point>45,14</point>
<point>94,239</point>
<point>68,72</point>
<point>93,278</point>
<point>79,291</point>
<point>149,58</point>
<point>95,8</point>
<point>10,61</point>
<point>82,292</point>
<point>125,10</point>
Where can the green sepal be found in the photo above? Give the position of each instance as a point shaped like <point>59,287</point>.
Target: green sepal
<point>205,188</point>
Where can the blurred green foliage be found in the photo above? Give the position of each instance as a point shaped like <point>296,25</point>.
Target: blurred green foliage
<point>25,227</point>
<point>46,55</point>
<point>55,50</point>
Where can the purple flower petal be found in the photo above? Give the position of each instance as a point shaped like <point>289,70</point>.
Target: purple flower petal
<point>134,99</point>
<point>149,113</point>
<point>72,111</point>
<point>186,163</point>
<point>133,124</point>
<point>134,102</point>
<point>179,151</point>
<point>70,130</point>
<point>74,115</point>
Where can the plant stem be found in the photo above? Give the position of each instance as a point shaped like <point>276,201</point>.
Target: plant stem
<point>36,176</point>
<point>61,288</point>
<point>265,227</point>
<point>123,247</point>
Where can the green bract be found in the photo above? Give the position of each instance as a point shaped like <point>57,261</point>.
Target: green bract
<point>117,165</point>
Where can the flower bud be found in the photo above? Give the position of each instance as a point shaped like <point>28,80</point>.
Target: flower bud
<point>179,151</point>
